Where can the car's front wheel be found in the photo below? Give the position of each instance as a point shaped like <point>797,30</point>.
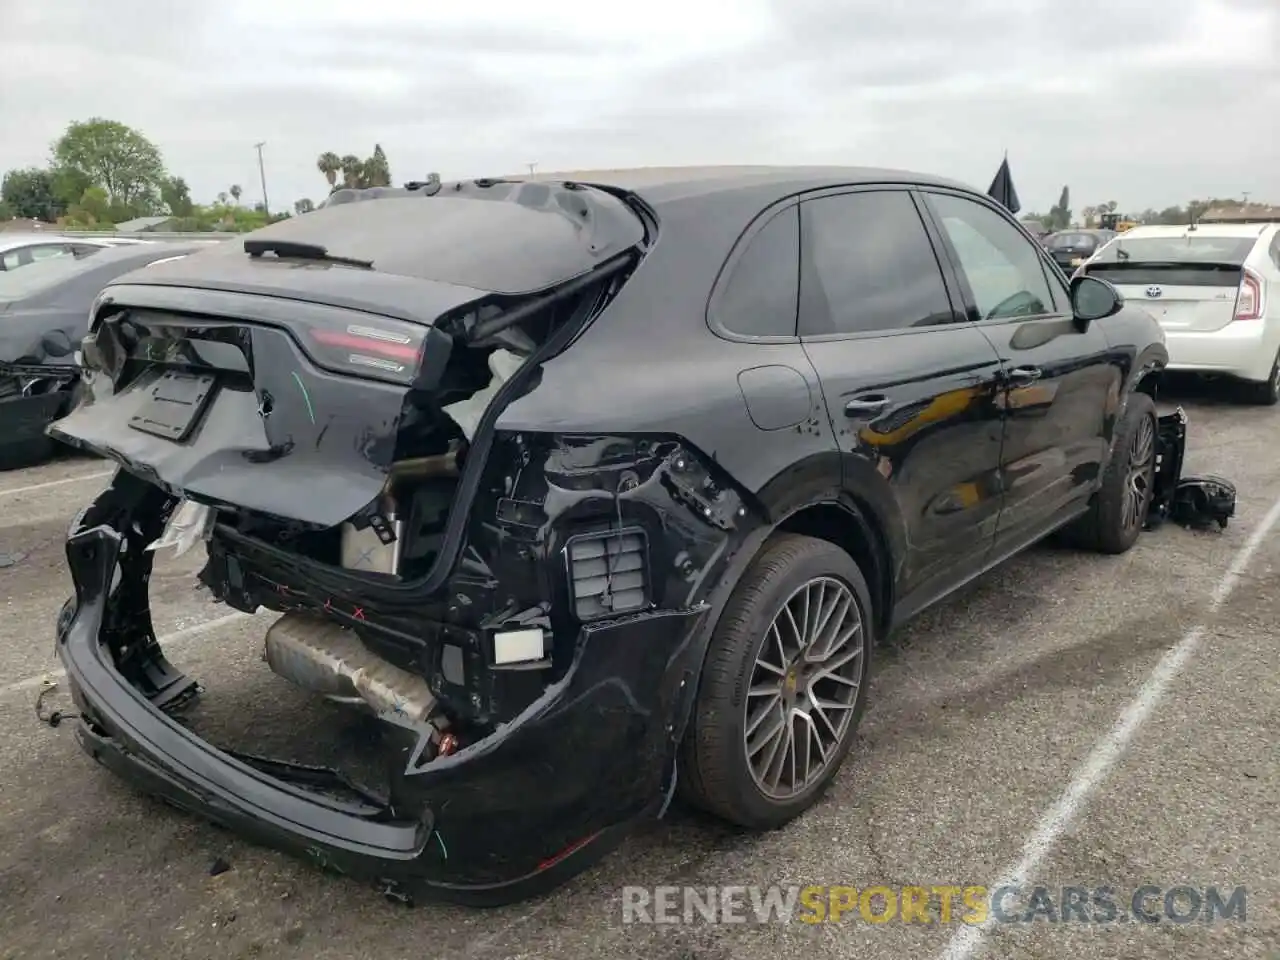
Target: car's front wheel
<point>1119,509</point>
<point>783,687</point>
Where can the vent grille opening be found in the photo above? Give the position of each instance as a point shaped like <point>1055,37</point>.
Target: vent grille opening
<point>608,573</point>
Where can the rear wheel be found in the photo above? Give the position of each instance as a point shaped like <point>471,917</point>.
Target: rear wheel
<point>1120,506</point>
<point>1267,392</point>
<point>784,685</point>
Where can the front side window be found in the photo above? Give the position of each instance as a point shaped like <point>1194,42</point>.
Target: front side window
<point>1003,268</point>
<point>867,265</point>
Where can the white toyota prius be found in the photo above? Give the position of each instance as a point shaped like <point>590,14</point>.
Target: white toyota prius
<point>1215,288</point>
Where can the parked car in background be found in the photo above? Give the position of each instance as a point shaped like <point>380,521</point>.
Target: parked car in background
<point>23,249</point>
<point>1214,288</point>
<point>1070,248</point>
<point>579,482</point>
<point>44,310</point>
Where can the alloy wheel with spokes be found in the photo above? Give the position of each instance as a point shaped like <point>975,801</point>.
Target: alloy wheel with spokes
<point>1142,452</point>
<point>805,687</point>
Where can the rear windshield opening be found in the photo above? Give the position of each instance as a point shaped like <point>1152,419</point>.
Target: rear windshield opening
<point>1190,261</point>
<point>1191,249</point>
<point>1072,241</point>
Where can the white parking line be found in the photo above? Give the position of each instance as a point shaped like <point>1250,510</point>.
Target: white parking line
<point>56,483</point>
<point>168,641</point>
<point>1109,749</point>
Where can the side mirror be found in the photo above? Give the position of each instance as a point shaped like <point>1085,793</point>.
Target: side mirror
<point>1093,299</point>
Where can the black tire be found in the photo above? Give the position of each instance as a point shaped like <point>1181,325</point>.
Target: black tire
<point>1106,528</point>
<point>714,772</point>
<point>1267,392</point>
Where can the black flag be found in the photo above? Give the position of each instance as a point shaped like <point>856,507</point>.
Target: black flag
<point>1002,190</point>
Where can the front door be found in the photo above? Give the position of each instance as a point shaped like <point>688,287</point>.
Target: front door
<point>1058,373</point>
<point>910,385</point>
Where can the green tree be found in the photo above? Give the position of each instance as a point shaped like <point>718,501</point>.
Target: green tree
<point>69,185</point>
<point>329,164</point>
<point>30,193</point>
<point>6,211</point>
<point>377,172</point>
<point>176,196</point>
<point>236,191</point>
<point>96,203</point>
<point>94,209</point>
<point>352,170</point>
<point>305,205</point>
<point>115,157</point>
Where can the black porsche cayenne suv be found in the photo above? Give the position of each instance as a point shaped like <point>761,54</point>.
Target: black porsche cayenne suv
<point>592,489</point>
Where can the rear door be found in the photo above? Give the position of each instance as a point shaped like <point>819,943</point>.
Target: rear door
<point>1189,283</point>
<point>909,386</point>
<point>1058,374</point>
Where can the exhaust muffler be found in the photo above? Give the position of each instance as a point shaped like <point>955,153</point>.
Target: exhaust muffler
<point>330,660</point>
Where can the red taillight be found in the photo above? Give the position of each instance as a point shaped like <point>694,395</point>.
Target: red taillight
<point>382,348</point>
<point>1249,299</point>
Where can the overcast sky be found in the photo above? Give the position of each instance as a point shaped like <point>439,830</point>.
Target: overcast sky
<point>1146,102</point>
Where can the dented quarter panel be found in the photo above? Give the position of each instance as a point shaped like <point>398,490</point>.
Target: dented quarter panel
<point>651,363</point>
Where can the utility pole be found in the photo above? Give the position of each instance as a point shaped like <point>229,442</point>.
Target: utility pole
<point>262,173</point>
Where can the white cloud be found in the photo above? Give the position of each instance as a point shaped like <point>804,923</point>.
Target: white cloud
<point>1146,103</point>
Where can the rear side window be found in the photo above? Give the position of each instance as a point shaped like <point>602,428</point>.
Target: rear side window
<point>1004,269</point>
<point>866,264</point>
<point>759,297</point>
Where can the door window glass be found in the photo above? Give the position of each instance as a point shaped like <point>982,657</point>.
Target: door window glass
<point>867,264</point>
<point>1003,268</point>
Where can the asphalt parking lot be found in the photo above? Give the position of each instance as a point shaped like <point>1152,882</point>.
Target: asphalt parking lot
<point>1083,721</point>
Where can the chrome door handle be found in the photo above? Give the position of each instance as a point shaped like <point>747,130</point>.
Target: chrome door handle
<point>866,405</point>
<point>1024,375</point>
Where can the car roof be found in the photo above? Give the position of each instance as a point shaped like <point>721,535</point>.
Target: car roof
<point>1241,230</point>
<point>659,186</point>
<point>11,241</point>
<point>660,183</point>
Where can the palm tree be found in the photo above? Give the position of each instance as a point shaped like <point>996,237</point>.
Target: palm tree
<point>352,170</point>
<point>235,193</point>
<point>329,164</point>
<point>222,199</point>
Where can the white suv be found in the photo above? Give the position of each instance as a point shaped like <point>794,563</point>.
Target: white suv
<point>1215,288</point>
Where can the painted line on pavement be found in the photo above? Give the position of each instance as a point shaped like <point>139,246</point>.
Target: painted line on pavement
<point>1108,751</point>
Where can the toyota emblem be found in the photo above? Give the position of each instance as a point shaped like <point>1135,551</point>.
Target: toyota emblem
<point>1154,292</point>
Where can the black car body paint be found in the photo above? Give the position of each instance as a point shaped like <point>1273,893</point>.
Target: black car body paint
<point>637,417</point>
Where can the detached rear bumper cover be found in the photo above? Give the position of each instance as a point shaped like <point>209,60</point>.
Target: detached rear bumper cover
<point>498,821</point>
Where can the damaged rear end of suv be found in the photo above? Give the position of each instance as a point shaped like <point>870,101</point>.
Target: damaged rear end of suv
<point>317,407</point>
